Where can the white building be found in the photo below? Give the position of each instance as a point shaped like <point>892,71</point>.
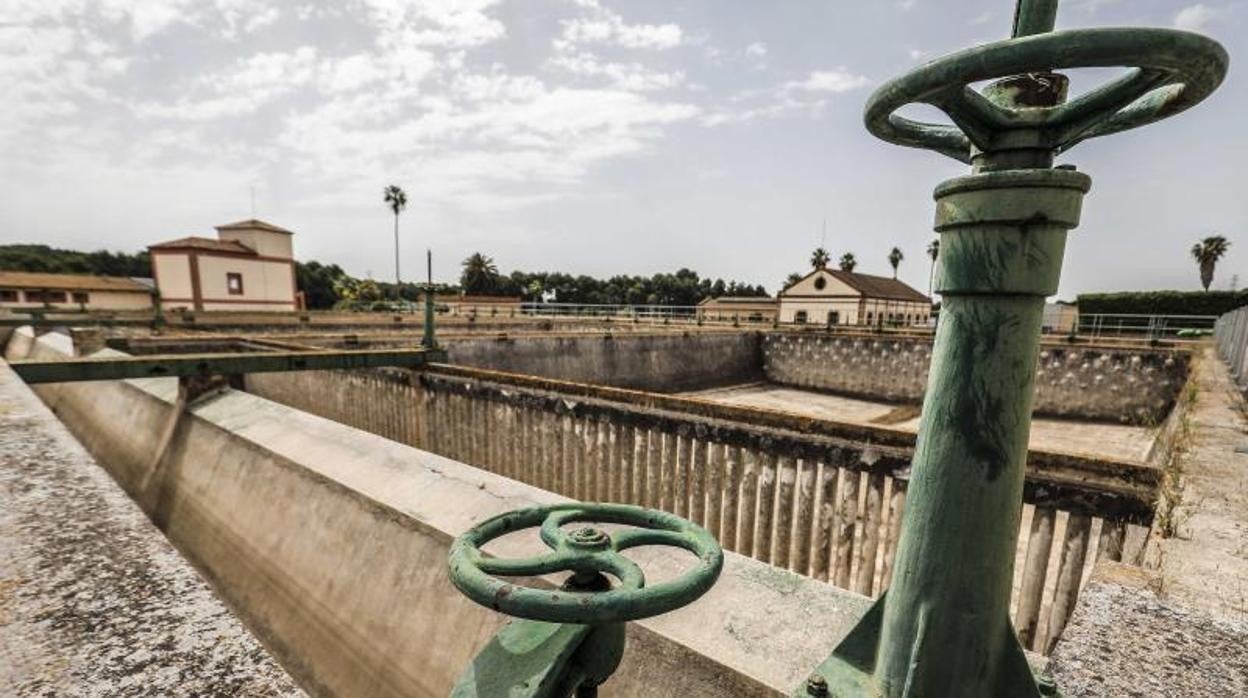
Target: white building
<point>249,266</point>
<point>835,297</point>
<point>37,290</point>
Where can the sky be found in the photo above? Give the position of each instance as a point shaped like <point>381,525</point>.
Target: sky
<point>593,137</point>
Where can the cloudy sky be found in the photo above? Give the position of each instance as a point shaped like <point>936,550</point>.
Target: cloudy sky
<point>588,136</point>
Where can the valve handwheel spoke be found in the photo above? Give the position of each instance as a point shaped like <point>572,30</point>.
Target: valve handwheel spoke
<point>1174,70</point>
<point>584,550</point>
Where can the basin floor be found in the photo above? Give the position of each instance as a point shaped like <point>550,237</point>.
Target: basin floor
<point>1098,439</point>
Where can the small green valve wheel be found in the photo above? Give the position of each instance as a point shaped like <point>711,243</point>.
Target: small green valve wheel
<point>1173,70</point>
<point>588,552</point>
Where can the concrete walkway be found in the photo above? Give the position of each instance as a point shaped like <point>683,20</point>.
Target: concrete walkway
<point>1180,629</point>
<point>94,601</point>
<point>1093,439</point>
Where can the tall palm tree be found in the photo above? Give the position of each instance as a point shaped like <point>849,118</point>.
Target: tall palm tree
<point>894,259</point>
<point>396,199</point>
<point>819,258</point>
<point>848,262</point>
<point>479,276</point>
<point>933,251</point>
<point>1207,252</point>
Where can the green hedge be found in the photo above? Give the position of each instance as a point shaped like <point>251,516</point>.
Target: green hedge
<point>1162,302</point>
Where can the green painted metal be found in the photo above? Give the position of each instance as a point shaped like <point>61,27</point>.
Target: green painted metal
<point>571,640</point>
<point>152,366</point>
<point>943,627</point>
<point>475,575</point>
<point>428,340</point>
<point>1173,71</point>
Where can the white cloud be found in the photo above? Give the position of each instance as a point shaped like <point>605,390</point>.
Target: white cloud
<point>1196,17</point>
<point>603,26</point>
<point>633,77</point>
<point>809,96</point>
<point>756,50</point>
<point>836,80</point>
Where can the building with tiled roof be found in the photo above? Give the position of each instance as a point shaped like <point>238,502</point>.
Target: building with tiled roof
<point>249,266</point>
<point>835,297</point>
<point>33,290</point>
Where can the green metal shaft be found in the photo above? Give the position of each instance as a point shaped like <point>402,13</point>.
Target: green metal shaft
<point>1034,17</point>
<point>429,341</point>
<point>945,629</point>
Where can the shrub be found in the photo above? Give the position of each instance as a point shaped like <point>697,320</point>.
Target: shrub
<point>1162,302</point>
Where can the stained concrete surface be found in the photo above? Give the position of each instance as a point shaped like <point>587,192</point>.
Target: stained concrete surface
<point>1205,564</point>
<point>94,601</point>
<point>1065,436</point>
<point>1128,639</point>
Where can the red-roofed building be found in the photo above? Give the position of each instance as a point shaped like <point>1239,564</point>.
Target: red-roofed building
<point>249,266</point>
<point>835,297</point>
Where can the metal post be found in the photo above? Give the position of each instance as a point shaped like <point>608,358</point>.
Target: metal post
<point>429,341</point>
<point>943,627</point>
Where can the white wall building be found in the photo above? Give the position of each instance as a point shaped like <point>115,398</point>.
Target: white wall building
<point>835,297</point>
<point>250,266</point>
<point>37,290</point>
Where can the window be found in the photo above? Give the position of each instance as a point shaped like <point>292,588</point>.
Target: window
<point>870,317</point>
<point>820,283</point>
<point>834,317</point>
<point>8,295</point>
<point>81,297</point>
<point>800,317</point>
<point>234,283</point>
<point>40,296</point>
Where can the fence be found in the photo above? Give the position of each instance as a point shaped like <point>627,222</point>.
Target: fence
<point>1144,326</point>
<point>819,498</point>
<point>1231,335</point>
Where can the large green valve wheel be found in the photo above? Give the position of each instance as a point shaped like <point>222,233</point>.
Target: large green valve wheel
<point>1172,71</point>
<point>568,641</point>
<point>588,552</point>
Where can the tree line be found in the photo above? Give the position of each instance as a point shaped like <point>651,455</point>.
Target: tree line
<point>327,286</point>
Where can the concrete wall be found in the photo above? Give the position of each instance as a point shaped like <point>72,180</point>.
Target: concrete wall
<point>332,544</point>
<point>655,362</point>
<point>1135,385</point>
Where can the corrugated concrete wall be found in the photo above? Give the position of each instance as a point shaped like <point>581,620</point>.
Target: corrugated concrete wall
<point>668,362</point>
<point>822,500</point>
<point>332,543</point>
<point>1132,385</point>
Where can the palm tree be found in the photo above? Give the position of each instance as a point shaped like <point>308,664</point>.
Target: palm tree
<point>1207,252</point>
<point>819,258</point>
<point>894,259</point>
<point>396,199</point>
<point>933,251</point>
<point>793,278</point>
<point>479,276</point>
<point>848,262</point>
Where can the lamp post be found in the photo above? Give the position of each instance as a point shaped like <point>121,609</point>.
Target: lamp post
<point>943,627</point>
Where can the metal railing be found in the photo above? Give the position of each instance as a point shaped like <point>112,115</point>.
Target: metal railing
<point>1141,325</point>
<point>1231,335</point>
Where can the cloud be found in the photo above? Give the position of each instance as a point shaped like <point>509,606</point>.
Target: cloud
<point>1196,17</point>
<point>603,26</point>
<point>808,95</point>
<point>633,77</point>
<point>835,80</point>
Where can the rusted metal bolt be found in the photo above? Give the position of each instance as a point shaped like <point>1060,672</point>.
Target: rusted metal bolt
<point>817,686</point>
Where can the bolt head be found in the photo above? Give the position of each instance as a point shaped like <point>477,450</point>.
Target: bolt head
<point>589,538</point>
<point>817,686</point>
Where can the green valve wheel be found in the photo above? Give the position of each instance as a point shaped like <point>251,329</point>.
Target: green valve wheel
<point>1173,70</point>
<point>589,553</point>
